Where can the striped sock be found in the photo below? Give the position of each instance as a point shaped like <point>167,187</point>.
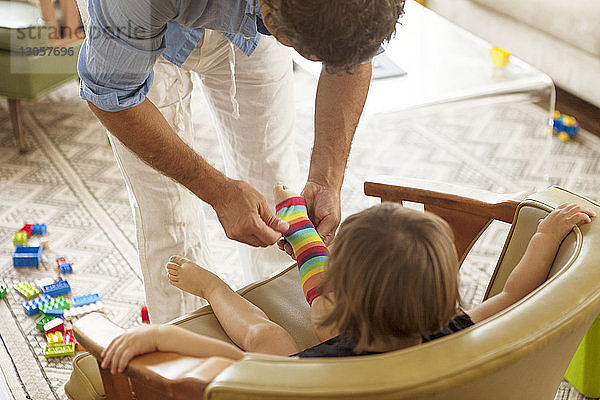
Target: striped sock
<point>311,253</point>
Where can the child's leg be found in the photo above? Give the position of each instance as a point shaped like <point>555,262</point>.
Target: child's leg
<point>310,251</point>
<point>311,256</point>
<point>247,325</point>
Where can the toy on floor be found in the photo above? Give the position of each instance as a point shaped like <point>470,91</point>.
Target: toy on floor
<point>55,338</point>
<point>63,266</point>
<point>59,350</point>
<point>86,299</point>
<point>27,290</point>
<point>20,238</point>
<point>3,291</point>
<point>81,310</point>
<point>564,126</point>
<point>57,288</point>
<point>54,325</point>
<point>32,307</point>
<point>41,321</point>
<point>27,256</point>
<point>145,316</point>
<point>500,57</point>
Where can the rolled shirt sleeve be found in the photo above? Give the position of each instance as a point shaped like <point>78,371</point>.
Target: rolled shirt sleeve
<point>123,41</point>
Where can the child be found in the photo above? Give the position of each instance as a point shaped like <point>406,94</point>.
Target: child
<point>390,282</point>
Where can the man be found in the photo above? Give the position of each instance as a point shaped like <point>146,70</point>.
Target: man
<point>136,69</point>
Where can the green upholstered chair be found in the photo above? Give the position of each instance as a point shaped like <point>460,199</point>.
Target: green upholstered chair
<point>39,45</point>
<point>520,353</point>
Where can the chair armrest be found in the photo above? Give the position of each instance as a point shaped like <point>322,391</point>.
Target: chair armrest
<point>152,375</point>
<point>467,211</point>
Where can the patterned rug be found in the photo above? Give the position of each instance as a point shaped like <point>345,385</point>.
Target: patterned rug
<point>70,181</point>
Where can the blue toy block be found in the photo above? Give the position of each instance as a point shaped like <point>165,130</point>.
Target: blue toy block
<point>32,307</point>
<point>27,256</point>
<point>55,312</point>
<point>57,288</point>
<point>65,268</point>
<point>85,299</point>
<point>38,229</point>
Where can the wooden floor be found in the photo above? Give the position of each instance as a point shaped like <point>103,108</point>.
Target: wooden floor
<point>586,113</point>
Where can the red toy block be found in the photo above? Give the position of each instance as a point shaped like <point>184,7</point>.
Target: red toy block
<point>70,338</point>
<point>56,325</point>
<point>26,228</point>
<point>145,316</point>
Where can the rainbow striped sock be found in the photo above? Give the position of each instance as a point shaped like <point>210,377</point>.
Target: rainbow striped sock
<point>311,253</point>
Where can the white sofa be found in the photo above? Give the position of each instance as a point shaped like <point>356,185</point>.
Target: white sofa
<point>559,37</point>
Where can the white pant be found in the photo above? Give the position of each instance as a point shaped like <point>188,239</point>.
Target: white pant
<point>257,147</point>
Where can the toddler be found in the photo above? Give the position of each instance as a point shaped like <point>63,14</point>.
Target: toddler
<point>390,282</point>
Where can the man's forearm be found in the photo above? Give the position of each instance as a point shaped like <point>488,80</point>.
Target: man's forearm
<point>339,104</point>
<point>144,130</point>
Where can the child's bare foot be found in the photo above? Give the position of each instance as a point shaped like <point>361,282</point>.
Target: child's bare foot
<point>282,192</point>
<point>191,278</point>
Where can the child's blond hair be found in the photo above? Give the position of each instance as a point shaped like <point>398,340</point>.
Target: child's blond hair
<point>394,273</point>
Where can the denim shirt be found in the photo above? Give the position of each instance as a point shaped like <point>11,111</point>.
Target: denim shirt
<point>124,38</point>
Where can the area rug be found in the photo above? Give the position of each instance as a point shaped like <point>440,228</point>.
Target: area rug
<point>70,181</point>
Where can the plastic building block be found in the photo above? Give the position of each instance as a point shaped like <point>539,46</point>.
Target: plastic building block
<point>38,229</point>
<point>79,311</point>
<point>55,338</point>
<point>27,229</point>
<point>145,316</point>
<point>55,312</point>
<point>57,288</point>
<point>27,290</point>
<point>41,321</point>
<point>59,350</point>
<point>3,291</point>
<point>564,126</point>
<point>27,256</point>
<point>58,302</point>
<point>86,299</point>
<point>63,266</point>
<point>32,307</point>
<point>499,56</point>
<point>70,337</point>
<point>20,238</point>
<point>54,325</point>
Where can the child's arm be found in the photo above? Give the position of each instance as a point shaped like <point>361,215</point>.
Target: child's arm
<point>533,268</point>
<point>165,338</point>
<point>311,255</point>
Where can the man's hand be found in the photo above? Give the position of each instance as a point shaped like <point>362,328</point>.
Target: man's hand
<point>246,217</point>
<point>323,205</point>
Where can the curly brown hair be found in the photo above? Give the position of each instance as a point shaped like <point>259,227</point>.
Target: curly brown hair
<point>340,33</point>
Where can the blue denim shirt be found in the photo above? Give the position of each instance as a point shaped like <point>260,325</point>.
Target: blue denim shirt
<point>125,37</point>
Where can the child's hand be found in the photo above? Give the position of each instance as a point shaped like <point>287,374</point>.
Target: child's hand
<point>561,220</point>
<point>123,348</point>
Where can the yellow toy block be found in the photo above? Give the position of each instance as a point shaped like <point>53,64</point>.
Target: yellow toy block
<point>499,56</point>
<point>55,338</point>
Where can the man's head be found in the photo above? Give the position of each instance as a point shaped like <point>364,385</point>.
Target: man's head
<point>341,33</point>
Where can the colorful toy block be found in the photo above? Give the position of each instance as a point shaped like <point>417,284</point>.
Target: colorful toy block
<point>55,338</point>
<point>564,126</point>
<point>58,302</point>
<point>70,337</point>
<point>57,288</point>
<point>55,312</point>
<point>54,325</point>
<point>86,299</point>
<point>41,321</point>
<point>499,56</point>
<point>32,307</point>
<point>79,311</point>
<point>3,291</point>
<point>27,229</point>
<point>38,229</point>
<point>63,266</point>
<point>145,316</point>
<point>26,290</point>
<point>20,238</point>
<point>27,256</point>
<point>59,350</point>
